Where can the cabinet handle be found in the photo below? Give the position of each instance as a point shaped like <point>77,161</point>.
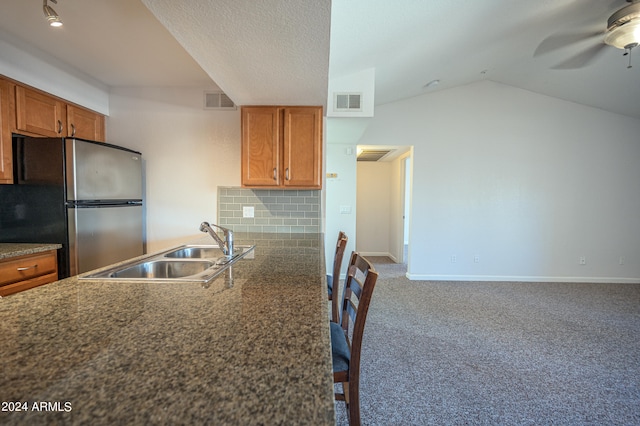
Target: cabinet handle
<point>26,268</point>
<point>73,130</point>
<point>59,126</point>
<point>275,174</point>
<point>286,173</point>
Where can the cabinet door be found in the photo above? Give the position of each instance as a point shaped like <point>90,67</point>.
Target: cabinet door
<point>303,147</point>
<point>260,146</point>
<point>85,124</point>
<point>38,113</point>
<point>5,132</point>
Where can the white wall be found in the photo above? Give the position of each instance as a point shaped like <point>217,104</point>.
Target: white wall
<point>525,182</point>
<point>188,153</point>
<point>38,69</point>
<point>342,135</point>
<point>373,218</point>
<point>340,193</point>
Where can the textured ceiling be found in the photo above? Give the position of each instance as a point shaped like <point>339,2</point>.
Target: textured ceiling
<point>259,52</point>
<point>283,51</point>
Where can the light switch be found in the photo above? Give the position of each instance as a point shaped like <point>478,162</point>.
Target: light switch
<point>345,209</point>
<point>248,211</point>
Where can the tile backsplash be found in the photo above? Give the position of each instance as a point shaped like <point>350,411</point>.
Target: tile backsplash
<point>275,210</point>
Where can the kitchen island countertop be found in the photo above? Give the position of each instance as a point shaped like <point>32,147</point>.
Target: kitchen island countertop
<point>251,347</point>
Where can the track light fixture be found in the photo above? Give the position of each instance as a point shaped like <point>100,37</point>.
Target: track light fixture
<point>51,15</point>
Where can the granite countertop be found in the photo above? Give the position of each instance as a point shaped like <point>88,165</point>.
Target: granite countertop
<point>8,250</point>
<point>252,347</point>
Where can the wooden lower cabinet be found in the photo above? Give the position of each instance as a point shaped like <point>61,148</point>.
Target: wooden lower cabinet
<point>28,271</point>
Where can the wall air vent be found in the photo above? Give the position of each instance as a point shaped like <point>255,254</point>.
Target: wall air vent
<point>219,101</point>
<point>347,102</point>
<point>372,155</point>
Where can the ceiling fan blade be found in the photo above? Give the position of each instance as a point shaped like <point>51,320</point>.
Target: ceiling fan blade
<point>559,41</point>
<point>582,59</point>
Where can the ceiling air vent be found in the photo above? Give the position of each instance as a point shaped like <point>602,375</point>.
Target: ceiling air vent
<point>372,155</point>
<point>218,100</point>
<point>347,102</point>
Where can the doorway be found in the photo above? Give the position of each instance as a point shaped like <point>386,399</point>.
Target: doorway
<point>383,201</point>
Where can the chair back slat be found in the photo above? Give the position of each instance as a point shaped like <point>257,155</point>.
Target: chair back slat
<point>358,288</point>
<point>341,245</point>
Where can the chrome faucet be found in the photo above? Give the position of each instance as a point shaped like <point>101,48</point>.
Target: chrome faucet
<point>227,245</point>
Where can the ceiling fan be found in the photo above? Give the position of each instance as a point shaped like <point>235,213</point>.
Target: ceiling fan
<point>622,32</point>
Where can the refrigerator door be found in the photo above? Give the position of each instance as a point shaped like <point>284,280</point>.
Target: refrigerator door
<point>101,236</point>
<point>99,171</point>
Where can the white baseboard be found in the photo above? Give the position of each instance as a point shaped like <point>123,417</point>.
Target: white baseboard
<point>379,253</point>
<point>521,278</point>
<point>374,253</point>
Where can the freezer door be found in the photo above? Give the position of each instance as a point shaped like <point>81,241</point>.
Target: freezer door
<point>101,236</point>
<point>98,171</point>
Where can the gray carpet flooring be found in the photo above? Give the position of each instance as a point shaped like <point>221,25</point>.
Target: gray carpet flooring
<point>496,353</point>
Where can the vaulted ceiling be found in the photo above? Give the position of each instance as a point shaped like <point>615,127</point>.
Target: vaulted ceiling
<point>286,52</point>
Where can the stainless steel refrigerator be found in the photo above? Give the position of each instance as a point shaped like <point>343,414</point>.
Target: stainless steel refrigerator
<point>87,196</point>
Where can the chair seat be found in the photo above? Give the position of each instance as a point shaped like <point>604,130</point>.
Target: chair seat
<point>339,348</point>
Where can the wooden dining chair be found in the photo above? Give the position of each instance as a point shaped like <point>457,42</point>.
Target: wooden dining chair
<point>333,281</point>
<point>358,288</point>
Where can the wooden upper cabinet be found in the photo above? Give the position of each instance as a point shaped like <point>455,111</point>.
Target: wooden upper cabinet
<point>6,172</point>
<point>282,147</point>
<point>303,147</point>
<point>85,124</point>
<point>39,113</point>
<point>33,112</point>
<point>260,146</point>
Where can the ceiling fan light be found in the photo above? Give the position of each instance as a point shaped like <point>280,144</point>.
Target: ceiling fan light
<point>623,27</point>
<point>625,35</point>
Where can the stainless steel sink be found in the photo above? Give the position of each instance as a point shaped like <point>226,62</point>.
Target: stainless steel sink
<point>163,269</point>
<point>200,263</point>
<point>207,252</point>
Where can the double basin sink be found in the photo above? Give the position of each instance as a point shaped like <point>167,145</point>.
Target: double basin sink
<point>200,263</point>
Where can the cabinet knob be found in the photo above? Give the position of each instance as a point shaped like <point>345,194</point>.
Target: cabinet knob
<point>59,126</point>
<point>73,130</point>
<point>275,173</point>
<point>286,173</point>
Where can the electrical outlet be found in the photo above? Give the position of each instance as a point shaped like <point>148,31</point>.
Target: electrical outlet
<point>454,258</point>
<point>248,211</point>
<point>583,260</point>
<point>476,259</point>
<point>621,260</point>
